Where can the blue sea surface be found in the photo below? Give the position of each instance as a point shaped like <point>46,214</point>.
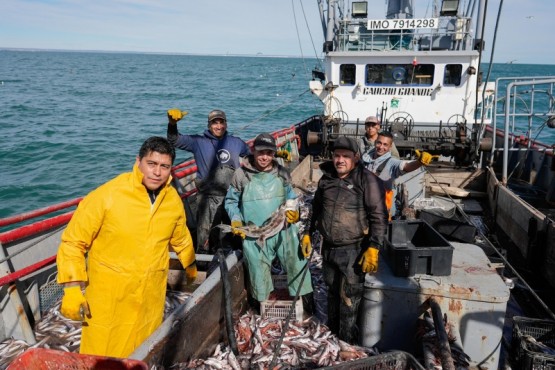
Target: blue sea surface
<point>72,120</point>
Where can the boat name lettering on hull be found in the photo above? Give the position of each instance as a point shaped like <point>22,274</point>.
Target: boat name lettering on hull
<point>396,91</point>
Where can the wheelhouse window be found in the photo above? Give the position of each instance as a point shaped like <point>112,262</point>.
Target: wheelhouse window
<point>400,74</point>
<point>452,75</point>
<point>347,74</point>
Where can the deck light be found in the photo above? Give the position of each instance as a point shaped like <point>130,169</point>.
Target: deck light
<point>449,7</point>
<point>359,9</point>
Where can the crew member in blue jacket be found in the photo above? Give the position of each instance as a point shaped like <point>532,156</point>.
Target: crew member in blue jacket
<point>217,155</point>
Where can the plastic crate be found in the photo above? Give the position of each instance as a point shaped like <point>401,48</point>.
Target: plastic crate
<point>48,359</point>
<point>414,247</point>
<point>396,360</point>
<point>536,328</point>
<point>279,309</point>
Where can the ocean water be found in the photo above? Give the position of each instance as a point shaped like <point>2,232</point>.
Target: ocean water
<point>72,120</point>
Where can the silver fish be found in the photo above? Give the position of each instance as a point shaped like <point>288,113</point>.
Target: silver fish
<point>269,228</point>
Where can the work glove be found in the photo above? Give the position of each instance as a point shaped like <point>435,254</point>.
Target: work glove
<point>306,246</point>
<point>175,115</point>
<point>424,157</point>
<point>369,260</point>
<point>292,216</point>
<point>285,154</point>
<point>74,305</point>
<point>191,273</point>
<point>235,224</point>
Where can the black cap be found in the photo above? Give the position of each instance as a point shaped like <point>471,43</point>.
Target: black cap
<point>265,141</point>
<point>344,142</point>
<point>215,114</point>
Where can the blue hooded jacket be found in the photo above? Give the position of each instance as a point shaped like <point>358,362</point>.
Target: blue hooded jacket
<point>211,152</point>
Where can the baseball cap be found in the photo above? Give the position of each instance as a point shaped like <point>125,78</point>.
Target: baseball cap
<point>344,142</point>
<point>265,141</point>
<point>372,119</point>
<point>215,114</point>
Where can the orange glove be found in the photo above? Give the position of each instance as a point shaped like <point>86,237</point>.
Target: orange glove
<point>191,273</point>
<point>285,154</point>
<point>74,305</point>
<point>306,246</point>
<point>424,157</point>
<point>369,260</point>
<point>292,216</point>
<point>175,115</point>
<point>235,228</point>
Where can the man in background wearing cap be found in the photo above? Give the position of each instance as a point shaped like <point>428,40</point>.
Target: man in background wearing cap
<point>379,161</point>
<point>372,127</point>
<point>257,190</point>
<point>217,155</point>
<point>349,212</point>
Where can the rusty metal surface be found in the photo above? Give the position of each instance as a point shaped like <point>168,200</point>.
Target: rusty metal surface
<point>474,298</point>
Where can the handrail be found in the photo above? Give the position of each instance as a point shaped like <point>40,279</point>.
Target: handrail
<point>37,227</point>
<point>39,212</point>
<point>26,270</point>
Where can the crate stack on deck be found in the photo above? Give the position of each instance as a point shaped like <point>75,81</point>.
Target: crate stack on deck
<point>279,304</point>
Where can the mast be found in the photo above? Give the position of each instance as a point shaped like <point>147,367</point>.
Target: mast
<point>399,9</point>
<point>478,42</point>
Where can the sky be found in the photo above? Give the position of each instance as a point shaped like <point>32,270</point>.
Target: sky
<point>269,27</point>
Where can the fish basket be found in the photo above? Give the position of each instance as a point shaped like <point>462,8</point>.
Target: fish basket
<point>48,359</point>
<point>279,309</point>
<point>541,330</point>
<point>396,360</point>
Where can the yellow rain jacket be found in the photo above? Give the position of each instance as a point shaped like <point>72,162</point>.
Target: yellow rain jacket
<point>127,242</point>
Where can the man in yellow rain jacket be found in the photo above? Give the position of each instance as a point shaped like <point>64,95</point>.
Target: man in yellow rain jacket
<point>124,227</point>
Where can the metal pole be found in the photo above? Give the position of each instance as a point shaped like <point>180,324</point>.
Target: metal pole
<point>442,339</point>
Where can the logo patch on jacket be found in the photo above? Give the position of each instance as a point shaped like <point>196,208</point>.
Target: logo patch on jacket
<point>223,156</point>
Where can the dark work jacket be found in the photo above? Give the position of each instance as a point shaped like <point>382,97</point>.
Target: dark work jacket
<point>350,210</point>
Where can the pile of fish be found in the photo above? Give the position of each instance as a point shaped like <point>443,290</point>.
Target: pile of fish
<point>57,332</point>
<point>306,344</point>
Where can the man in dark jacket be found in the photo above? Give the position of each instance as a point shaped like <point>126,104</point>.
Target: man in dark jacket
<point>349,212</point>
<point>217,155</point>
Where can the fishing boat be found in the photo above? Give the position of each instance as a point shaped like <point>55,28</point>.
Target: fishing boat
<point>425,80</point>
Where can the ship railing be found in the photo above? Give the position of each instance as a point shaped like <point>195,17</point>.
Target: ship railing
<point>524,107</point>
<point>36,227</point>
<point>452,34</point>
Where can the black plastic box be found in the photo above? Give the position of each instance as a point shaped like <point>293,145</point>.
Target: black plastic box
<point>456,228</point>
<point>414,247</point>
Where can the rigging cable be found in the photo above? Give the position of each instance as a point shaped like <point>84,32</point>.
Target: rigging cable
<point>311,39</point>
<point>319,66</point>
<point>298,36</point>
<point>275,110</point>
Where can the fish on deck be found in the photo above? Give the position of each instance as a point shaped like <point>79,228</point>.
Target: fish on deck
<point>269,228</point>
